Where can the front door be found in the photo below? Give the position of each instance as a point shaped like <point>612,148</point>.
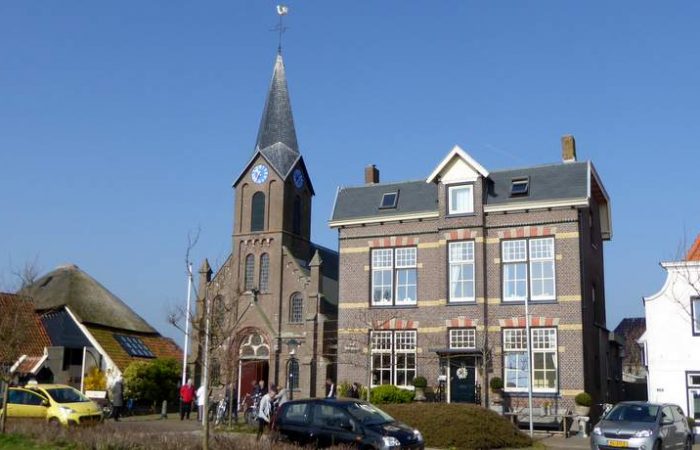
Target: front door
<point>462,380</point>
<point>252,371</point>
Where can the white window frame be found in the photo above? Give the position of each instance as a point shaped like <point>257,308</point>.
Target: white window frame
<point>695,310</point>
<point>693,392</point>
<point>453,209</point>
<point>387,346</point>
<point>457,261</point>
<point>393,267</point>
<point>462,338</point>
<point>543,341</point>
<point>522,255</point>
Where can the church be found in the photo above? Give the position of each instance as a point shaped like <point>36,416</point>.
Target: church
<point>274,301</point>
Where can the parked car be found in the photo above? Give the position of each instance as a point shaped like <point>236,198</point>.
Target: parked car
<point>642,425</point>
<point>55,403</point>
<point>326,422</point>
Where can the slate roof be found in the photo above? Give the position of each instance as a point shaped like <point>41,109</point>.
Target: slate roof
<point>35,339</point>
<point>87,299</point>
<point>547,182</point>
<point>365,201</point>
<point>277,138</point>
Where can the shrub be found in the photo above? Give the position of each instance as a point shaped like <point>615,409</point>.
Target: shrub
<point>583,399</point>
<point>95,380</point>
<point>344,389</point>
<point>420,382</point>
<point>496,384</point>
<point>389,393</point>
<point>470,426</point>
<point>153,381</point>
<point>691,422</point>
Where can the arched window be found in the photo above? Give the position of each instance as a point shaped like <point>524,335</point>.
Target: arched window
<point>264,272</point>
<point>296,308</point>
<point>249,272</point>
<point>257,212</point>
<point>293,375</point>
<point>296,218</point>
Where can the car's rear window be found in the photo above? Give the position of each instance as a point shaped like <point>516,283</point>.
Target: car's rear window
<point>295,412</point>
<point>633,413</point>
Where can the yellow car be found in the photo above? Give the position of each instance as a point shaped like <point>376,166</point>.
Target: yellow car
<point>56,403</point>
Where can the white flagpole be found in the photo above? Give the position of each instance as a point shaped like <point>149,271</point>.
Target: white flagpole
<point>187,324</point>
<point>529,364</point>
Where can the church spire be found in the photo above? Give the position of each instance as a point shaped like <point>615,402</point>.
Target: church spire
<point>277,124</point>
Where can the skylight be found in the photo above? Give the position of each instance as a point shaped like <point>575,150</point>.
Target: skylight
<point>519,187</point>
<point>389,200</point>
<point>134,346</point>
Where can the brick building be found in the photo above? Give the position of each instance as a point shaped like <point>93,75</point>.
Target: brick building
<point>275,298</point>
<point>435,275</point>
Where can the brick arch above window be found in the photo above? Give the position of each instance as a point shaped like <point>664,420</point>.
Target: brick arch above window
<point>519,322</point>
<point>396,324</point>
<point>524,232</point>
<point>394,241</point>
<point>460,235</point>
<point>461,322</point>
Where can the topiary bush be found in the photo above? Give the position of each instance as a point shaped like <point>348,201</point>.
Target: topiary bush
<point>583,399</point>
<point>388,393</point>
<point>496,384</point>
<point>420,382</point>
<point>468,426</point>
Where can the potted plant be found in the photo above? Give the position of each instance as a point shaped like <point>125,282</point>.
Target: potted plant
<point>420,383</point>
<point>496,385</point>
<point>583,402</point>
<point>546,407</point>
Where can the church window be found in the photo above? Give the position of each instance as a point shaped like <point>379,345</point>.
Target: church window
<point>296,308</point>
<point>249,272</point>
<point>296,219</point>
<point>293,374</point>
<point>257,215</point>
<point>264,272</point>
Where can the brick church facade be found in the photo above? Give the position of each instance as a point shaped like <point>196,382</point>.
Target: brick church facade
<point>436,273</point>
<point>274,300</point>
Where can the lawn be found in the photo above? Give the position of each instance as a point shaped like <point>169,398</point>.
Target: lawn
<point>18,442</point>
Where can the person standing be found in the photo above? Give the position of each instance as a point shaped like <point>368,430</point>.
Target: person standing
<point>354,391</point>
<point>186,397</point>
<point>265,411</point>
<point>200,403</point>
<point>330,388</point>
<point>117,398</point>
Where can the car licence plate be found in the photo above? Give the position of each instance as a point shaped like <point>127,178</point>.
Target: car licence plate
<point>618,444</point>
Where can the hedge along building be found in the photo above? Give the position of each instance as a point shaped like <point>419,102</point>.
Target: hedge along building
<point>435,274</point>
<point>275,297</point>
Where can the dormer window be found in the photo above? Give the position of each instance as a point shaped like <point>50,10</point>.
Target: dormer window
<point>519,187</point>
<point>389,200</point>
<point>460,199</point>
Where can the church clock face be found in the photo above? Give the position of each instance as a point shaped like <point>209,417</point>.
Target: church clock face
<point>298,178</point>
<point>259,174</point>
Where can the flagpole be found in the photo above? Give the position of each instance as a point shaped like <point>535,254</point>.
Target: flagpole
<point>187,324</point>
<point>529,364</point>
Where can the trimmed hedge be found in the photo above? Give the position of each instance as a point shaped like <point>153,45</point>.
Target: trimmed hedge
<point>389,393</point>
<point>459,426</point>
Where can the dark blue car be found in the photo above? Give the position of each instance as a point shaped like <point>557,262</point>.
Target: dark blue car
<point>327,422</point>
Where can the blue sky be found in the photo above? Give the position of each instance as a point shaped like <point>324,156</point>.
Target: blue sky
<point>123,124</point>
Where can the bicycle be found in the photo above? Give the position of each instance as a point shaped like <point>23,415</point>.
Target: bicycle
<point>221,410</point>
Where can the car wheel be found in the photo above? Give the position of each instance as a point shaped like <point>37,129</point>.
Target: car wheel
<point>657,445</point>
<point>54,422</point>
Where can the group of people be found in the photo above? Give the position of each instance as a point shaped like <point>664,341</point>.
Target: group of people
<point>188,395</point>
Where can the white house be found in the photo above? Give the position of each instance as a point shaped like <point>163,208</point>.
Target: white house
<point>671,342</point>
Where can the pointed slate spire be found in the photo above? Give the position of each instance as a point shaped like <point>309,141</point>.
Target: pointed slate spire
<point>277,123</point>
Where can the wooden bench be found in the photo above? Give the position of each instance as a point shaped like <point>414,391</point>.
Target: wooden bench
<point>554,421</point>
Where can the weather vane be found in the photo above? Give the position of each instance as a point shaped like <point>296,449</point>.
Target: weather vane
<point>282,10</point>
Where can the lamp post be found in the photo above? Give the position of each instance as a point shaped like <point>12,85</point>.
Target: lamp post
<point>291,367</point>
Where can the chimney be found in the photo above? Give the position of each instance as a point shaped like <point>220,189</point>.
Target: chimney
<point>371,174</point>
<point>568,148</point>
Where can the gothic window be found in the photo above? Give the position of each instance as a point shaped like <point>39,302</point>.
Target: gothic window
<point>254,347</point>
<point>257,215</point>
<point>264,272</point>
<point>296,219</point>
<point>296,308</point>
<point>249,272</point>
<point>293,374</point>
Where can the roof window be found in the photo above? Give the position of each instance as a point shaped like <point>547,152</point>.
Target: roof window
<point>519,187</point>
<point>134,346</point>
<point>389,200</point>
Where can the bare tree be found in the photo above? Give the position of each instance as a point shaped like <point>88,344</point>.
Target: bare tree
<point>16,315</point>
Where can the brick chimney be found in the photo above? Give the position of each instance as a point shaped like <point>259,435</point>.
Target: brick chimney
<point>568,148</point>
<point>371,174</point>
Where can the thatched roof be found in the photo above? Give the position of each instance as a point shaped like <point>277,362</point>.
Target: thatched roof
<point>91,302</point>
